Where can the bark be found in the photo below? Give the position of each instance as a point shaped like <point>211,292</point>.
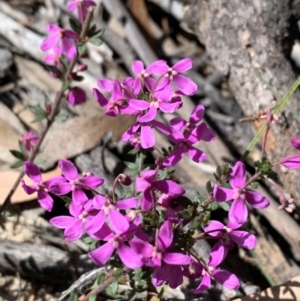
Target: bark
<point>241,35</point>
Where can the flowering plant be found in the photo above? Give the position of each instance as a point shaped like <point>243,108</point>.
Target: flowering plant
<point>148,230</point>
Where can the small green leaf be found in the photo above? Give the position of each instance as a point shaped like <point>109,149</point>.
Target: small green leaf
<point>91,31</point>
<point>96,41</point>
<point>75,25</point>
<point>100,278</point>
<point>130,165</point>
<point>65,86</point>
<point>40,162</point>
<point>17,154</point>
<point>224,205</point>
<point>193,225</point>
<point>98,34</point>
<point>21,146</point>
<point>93,298</point>
<point>64,62</point>
<point>37,110</point>
<point>74,296</point>
<point>17,164</point>
<point>213,206</point>
<point>209,187</point>
<point>134,151</point>
<point>61,117</point>
<point>39,118</point>
<point>87,240</point>
<point>254,185</point>
<point>78,78</point>
<point>66,199</point>
<point>114,287</point>
<point>118,272</point>
<point>47,100</point>
<point>82,49</point>
<point>185,214</point>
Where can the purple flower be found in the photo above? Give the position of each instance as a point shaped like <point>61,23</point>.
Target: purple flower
<point>292,161</point>
<point>63,36</point>
<point>143,75</point>
<point>172,75</point>
<point>41,187</point>
<point>185,145</point>
<point>148,184</point>
<point>167,265</point>
<point>127,255</point>
<point>29,140</point>
<point>76,96</point>
<point>106,207</point>
<point>80,222</point>
<point>74,184</point>
<point>225,278</point>
<point>238,211</point>
<point>82,7</point>
<point>229,234</point>
<point>53,58</point>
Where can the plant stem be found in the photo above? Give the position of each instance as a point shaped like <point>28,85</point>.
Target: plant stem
<point>50,120</point>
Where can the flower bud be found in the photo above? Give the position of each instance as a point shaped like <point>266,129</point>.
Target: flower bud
<point>124,179</point>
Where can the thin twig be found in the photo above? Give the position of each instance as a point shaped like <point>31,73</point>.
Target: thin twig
<point>50,120</point>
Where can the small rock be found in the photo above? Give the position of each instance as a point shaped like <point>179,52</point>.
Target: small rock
<point>6,60</point>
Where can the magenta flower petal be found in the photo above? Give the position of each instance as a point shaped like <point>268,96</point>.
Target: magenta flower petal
<point>75,231</point>
<point>137,67</point>
<point>105,84</point>
<point>105,233</point>
<point>118,221</point>
<point>197,114</point>
<point>217,254</point>
<point>116,92</point>
<point>100,98</point>
<point>29,189</point>
<point>256,199</point>
<point>98,201</point>
<point>139,104</point>
<point>76,96</point>
<point>60,188</point>
<point>203,286</point>
<point>62,222</point>
<point>75,209</point>
<point>147,200</point>
<point>238,211</point>
<point>208,135</point>
<point>222,194</point>
<point>168,107</point>
<point>238,175</point>
<point>68,48</point>
<point>72,5</point>
<point>149,175</point>
<point>295,142</point>
<point>137,86</point>
<point>177,123</point>
<point>169,187</point>
<point>174,157</point>
<point>49,42</point>
<point>127,203</point>
<point>149,116</point>
<point>55,179</point>
<point>165,235</point>
<point>176,258</point>
<point>160,275</point>
<point>94,224</point>
<point>183,65</point>
<point>197,133</point>
<point>164,90</point>
<point>291,161</point>
<point>92,181</point>
<point>141,184</point>
<point>45,200</point>
<point>53,28</point>
<point>161,127</point>
<point>79,197</point>
<point>196,154</point>
<point>158,68</point>
<point>68,169</point>
<point>175,276</point>
<point>101,255</point>
<point>214,228</point>
<point>243,239</point>
<point>141,247</point>
<point>147,137</point>
<point>184,84</point>
<point>227,279</point>
<point>32,171</point>
<point>130,259</point>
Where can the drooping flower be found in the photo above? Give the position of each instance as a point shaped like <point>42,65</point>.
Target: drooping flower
<point>76,96</point>
<point>228,235</point>
<point>148,185</point>
<point>41,187</point>
<point>29,140</point>
<point>240,194</point>
<point>60,36</point>
<point>292,161</point>
<point>74,183</point>
<point>82,7</point>
<point>227,279</point>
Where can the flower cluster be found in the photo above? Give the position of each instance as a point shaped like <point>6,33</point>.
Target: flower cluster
<point>150,226</point>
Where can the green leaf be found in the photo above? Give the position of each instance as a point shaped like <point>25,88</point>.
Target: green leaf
<point>37,110</point>
<point>185,214</point>
<point>64,62</point>
<point>78,78</point>
<point>75,25</point>
<point>193,225</point>
<point>96,41</point>
<point>17,154</point>
<point>61,117</point>
<point>213,206</point>
<point>118,272</point>
<point>114,287</point>
<point>82,49</point>
<point>39,118</point>
<point>100,278</point>
<point>224,205</point>
<point>54,70</point>
<point>21,146</point>
<point>134,151</point>
<point>98,34</point>
<point>87,240</point>
<point>254,185</point>
<point>130,165</point>
<point>40,161</point>
<point>17,164</point>
<point>47,100</point>
<point>66,199</point>
<point>74,296</point>
<point>209,187</point>
<point>91,31</point>
<point>65,86</point>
